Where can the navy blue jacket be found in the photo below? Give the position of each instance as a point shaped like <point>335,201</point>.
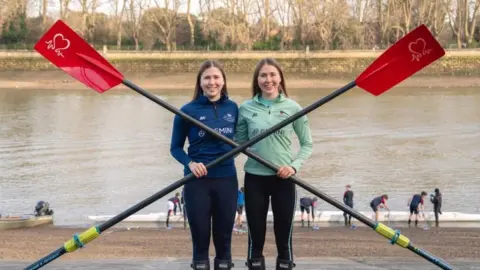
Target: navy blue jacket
<point>203,147</point>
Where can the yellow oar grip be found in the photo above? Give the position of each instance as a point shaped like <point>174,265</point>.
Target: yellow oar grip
<point>79,240</point>
<point>394,236</point>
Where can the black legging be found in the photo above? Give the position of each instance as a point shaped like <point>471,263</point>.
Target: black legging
<point>345,214</point>
<point>211,205</point>
<point>436,211</point>
<point>258,190</point>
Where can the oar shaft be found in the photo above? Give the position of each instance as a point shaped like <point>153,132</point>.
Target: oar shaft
<point>429,257</point>
<point>139,206</point>
<point>47,259</point>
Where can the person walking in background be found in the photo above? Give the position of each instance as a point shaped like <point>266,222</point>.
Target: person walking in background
<point>269,106</point>
<point>211,199</point>
<point>305,204</point>
<point>416,204</point>
<point>172,204</point>
<point>240,205</point>
<point>379,202</point>
<point>437,204</point>
<point>348,200</point>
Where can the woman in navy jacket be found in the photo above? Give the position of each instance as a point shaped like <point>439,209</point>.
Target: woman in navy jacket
<point>211,199</point>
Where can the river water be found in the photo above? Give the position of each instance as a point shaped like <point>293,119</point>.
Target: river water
<point>94,154</point>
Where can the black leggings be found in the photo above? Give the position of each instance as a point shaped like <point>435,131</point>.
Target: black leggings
<point>436,210</point>
<point>345,214</point>
<point>211,204</point>
<point>258,190</point>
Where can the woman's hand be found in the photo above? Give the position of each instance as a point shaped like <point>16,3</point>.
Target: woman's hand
<point>198,169</point>
<point>285,172</point>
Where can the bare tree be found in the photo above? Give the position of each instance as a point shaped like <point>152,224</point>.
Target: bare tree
<point>385,12</point>
<point>119,7</point>
<point>44,4</point>
<point>5,9</point>
<point>165,19</point>
<point>361,9</point>
<point>471,9</point>
<point>462,19</point>
<point>241,12</point>
<point>135,10</point>
<point>326,24</point>
<point>231,10</point>
<point>85,6</point>
<point>64,8</point>
<point>190,24</point>
<point>429,12</point>
<point>438,18</point>
<point>266,19</point>
<point>12,8</point>
<point>300,18</point>
<point>283,10</point>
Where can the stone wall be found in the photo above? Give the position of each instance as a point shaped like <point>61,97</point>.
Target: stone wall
<point>320,66</point>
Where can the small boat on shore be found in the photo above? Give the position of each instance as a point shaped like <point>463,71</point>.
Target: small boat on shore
<point>42,215</point>
<point>25,221</point>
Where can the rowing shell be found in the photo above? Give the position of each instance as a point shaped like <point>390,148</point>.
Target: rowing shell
<point>320,216</point>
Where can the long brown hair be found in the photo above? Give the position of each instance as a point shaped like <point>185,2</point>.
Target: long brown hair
<point>206,65</point>
<point>271,62</point>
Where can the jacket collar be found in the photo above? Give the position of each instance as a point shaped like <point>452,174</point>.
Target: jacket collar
<point>281,98</point>
<point>204,100</point>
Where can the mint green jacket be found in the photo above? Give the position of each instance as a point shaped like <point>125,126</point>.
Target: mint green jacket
<point>255,117</point>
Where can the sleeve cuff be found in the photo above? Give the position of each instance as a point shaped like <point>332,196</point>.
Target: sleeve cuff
<point>187,162</point>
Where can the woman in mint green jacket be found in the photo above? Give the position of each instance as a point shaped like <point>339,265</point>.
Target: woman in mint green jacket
<point>270,105</point>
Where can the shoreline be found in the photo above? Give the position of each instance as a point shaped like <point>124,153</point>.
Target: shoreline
<point>116,243</point>
<point>58,80</point>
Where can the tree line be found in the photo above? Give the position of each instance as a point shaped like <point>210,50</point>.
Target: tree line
<point>243,24</point>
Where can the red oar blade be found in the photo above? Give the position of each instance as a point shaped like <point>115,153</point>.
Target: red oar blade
<point>410,54</point>
<point>62,46</point>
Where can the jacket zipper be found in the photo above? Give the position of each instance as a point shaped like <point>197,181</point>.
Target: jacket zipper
<point>215,110</point>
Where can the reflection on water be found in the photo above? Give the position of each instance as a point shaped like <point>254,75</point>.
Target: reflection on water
<point>88,153</point>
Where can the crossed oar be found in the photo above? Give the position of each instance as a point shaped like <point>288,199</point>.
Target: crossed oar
<point>68,51</point>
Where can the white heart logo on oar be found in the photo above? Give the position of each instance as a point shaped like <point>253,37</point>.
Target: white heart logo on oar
<point>418,49</point>
<point>61,41</point>
<point>58,43</point>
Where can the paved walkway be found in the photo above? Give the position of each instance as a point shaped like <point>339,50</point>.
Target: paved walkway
<point>328,263</point>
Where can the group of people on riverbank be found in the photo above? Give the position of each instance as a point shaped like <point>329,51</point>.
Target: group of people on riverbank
<point>416,205</point>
